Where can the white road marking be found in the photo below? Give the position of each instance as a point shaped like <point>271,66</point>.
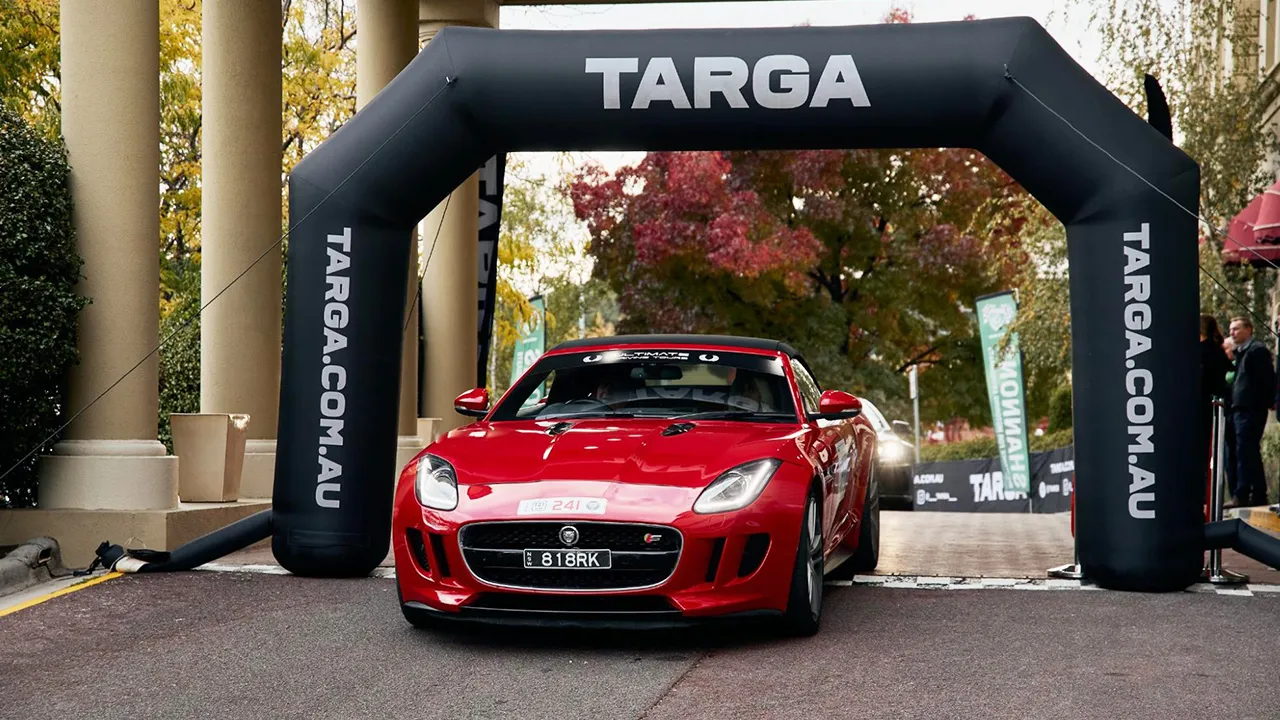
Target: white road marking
<point>901,582</point>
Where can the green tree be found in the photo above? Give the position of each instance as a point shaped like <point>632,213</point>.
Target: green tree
<point>1204,53</point>
<point>1216,102</point>
<point>542,250</point>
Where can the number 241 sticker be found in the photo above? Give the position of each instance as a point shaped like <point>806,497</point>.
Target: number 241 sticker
<point>562,505</point>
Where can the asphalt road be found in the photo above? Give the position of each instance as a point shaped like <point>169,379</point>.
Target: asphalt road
<point>230,645</point>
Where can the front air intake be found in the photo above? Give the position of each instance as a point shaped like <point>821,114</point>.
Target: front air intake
<point>417,548</point>
<point>437,547</point>
<point>753,553</point>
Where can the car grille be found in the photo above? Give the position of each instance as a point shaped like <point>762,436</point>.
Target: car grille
<point>495,554</point>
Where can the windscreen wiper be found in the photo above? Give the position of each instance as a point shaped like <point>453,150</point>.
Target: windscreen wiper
<point>588,414</point>
<point>722,414</point>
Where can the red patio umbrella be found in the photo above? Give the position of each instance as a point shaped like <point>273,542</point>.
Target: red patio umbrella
<point>1240,231</point>
<point>1266,226</point>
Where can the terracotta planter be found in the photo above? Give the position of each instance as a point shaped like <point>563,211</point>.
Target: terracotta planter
<point>210,450</point>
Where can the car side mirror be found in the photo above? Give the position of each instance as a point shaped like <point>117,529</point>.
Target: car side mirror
<point>837,405</point>
<point>472,403</point>
<point>900,427</point>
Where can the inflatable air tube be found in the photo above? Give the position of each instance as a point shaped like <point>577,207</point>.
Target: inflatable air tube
<point>1245,539</point>
<point>207,548</point>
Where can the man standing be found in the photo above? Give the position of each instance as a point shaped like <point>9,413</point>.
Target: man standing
<point>1253,394</point>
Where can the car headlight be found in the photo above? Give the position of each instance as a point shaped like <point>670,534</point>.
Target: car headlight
<point>436,485</point>
<point>736,488</point>
<point>892,450</point>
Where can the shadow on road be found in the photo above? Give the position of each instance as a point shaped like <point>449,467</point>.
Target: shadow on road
<point>718,636</point>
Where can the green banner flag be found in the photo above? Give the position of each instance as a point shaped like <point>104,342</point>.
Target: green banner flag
<point>530,346</point>
<point>1005,389</point>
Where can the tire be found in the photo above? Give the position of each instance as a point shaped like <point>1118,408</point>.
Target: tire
<point>804,603</point>
<point>867,556</point>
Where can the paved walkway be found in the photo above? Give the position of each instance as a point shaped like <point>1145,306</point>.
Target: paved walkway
<point>975,545</point>
<point>233,645</point>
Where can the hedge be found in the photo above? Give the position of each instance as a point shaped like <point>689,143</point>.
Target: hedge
<point>39,306</point>
<point>986,447</point>
<point>179,362</point>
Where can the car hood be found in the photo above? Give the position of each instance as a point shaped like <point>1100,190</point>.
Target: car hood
<point>632,451</point>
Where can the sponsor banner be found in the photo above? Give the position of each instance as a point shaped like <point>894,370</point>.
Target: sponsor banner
<point>1053,480</point>
<point>979,485</point>
<point>491,177</point>
<point>1004,387</point>
<point>530,346</point>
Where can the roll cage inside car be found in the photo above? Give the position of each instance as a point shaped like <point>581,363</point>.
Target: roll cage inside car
<point>676,342</point>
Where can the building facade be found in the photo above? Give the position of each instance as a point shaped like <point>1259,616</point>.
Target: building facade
<point>110,478</point>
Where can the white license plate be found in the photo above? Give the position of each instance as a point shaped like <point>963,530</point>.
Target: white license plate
<point>568,559</point>
<point>563,506</point>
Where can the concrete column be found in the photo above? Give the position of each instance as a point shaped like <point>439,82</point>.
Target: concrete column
<point>240,218</point>
<point>450,297</point>
<point>111,120</point>
<point>449,290</point>
<point>386,41</point>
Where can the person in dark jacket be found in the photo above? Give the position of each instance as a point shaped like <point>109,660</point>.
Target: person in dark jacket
<point>1253,395</point>
<point>1214,366</point>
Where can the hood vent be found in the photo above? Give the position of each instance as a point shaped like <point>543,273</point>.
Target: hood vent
<point>678,429</point>
<point>559,428</point>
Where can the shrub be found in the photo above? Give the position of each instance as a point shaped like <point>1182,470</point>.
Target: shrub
<point>984,447</point>
<point>179,362</point>
<point>39,306</point>
<point>1060,408</point>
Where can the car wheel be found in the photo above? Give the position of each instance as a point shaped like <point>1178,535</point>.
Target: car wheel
<point>867,556</point>
<point>804,604</point>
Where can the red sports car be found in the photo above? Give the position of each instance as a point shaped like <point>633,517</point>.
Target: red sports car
<point>642,480</point>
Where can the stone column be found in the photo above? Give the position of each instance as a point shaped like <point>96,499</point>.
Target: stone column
<point>449,289</point>
<point>110,457</point>
<point>385,44</point>
<point>241,218</point>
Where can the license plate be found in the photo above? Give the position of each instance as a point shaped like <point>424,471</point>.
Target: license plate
<point>568,559</point>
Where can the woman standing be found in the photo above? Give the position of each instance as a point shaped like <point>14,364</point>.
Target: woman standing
<point>1214,367</point>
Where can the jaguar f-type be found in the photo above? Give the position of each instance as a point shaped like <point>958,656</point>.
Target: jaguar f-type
<point>642,480</point>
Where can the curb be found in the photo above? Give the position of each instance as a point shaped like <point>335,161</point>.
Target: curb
<point>33,562</point>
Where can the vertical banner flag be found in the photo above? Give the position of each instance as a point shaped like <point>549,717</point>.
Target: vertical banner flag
<point>491,177</point>
<point>530,346</point>
<point>1005,389</point>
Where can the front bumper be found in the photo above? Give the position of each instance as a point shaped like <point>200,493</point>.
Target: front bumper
<point>735,564</point>
<point>669,620</point>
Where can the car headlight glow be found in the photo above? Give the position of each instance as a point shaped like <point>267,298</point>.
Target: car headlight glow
<point>892,450</point>
<point>436,484</point>
<point>736,488</point>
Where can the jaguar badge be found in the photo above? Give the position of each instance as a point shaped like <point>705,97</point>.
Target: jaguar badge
<point>569,535</point>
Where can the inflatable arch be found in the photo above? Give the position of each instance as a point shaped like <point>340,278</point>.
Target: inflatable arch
<point>1003,87</point>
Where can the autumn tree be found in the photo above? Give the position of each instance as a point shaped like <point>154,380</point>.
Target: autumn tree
<point>29,57</point>
<point>867,260</point>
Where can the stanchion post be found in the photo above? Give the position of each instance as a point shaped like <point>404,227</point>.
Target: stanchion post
<point>1072,571</point>
<point>1213,571</point>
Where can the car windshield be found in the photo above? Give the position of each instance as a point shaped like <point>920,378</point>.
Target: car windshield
<point>686,384</point>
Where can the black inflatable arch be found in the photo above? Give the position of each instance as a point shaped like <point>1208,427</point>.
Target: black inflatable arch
<point>474,92</point>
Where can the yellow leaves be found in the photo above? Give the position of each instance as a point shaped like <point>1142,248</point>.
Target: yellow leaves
<point>318,77</point>
<point>29,57</point>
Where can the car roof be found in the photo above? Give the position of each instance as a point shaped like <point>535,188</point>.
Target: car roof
<point>733,341</point>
